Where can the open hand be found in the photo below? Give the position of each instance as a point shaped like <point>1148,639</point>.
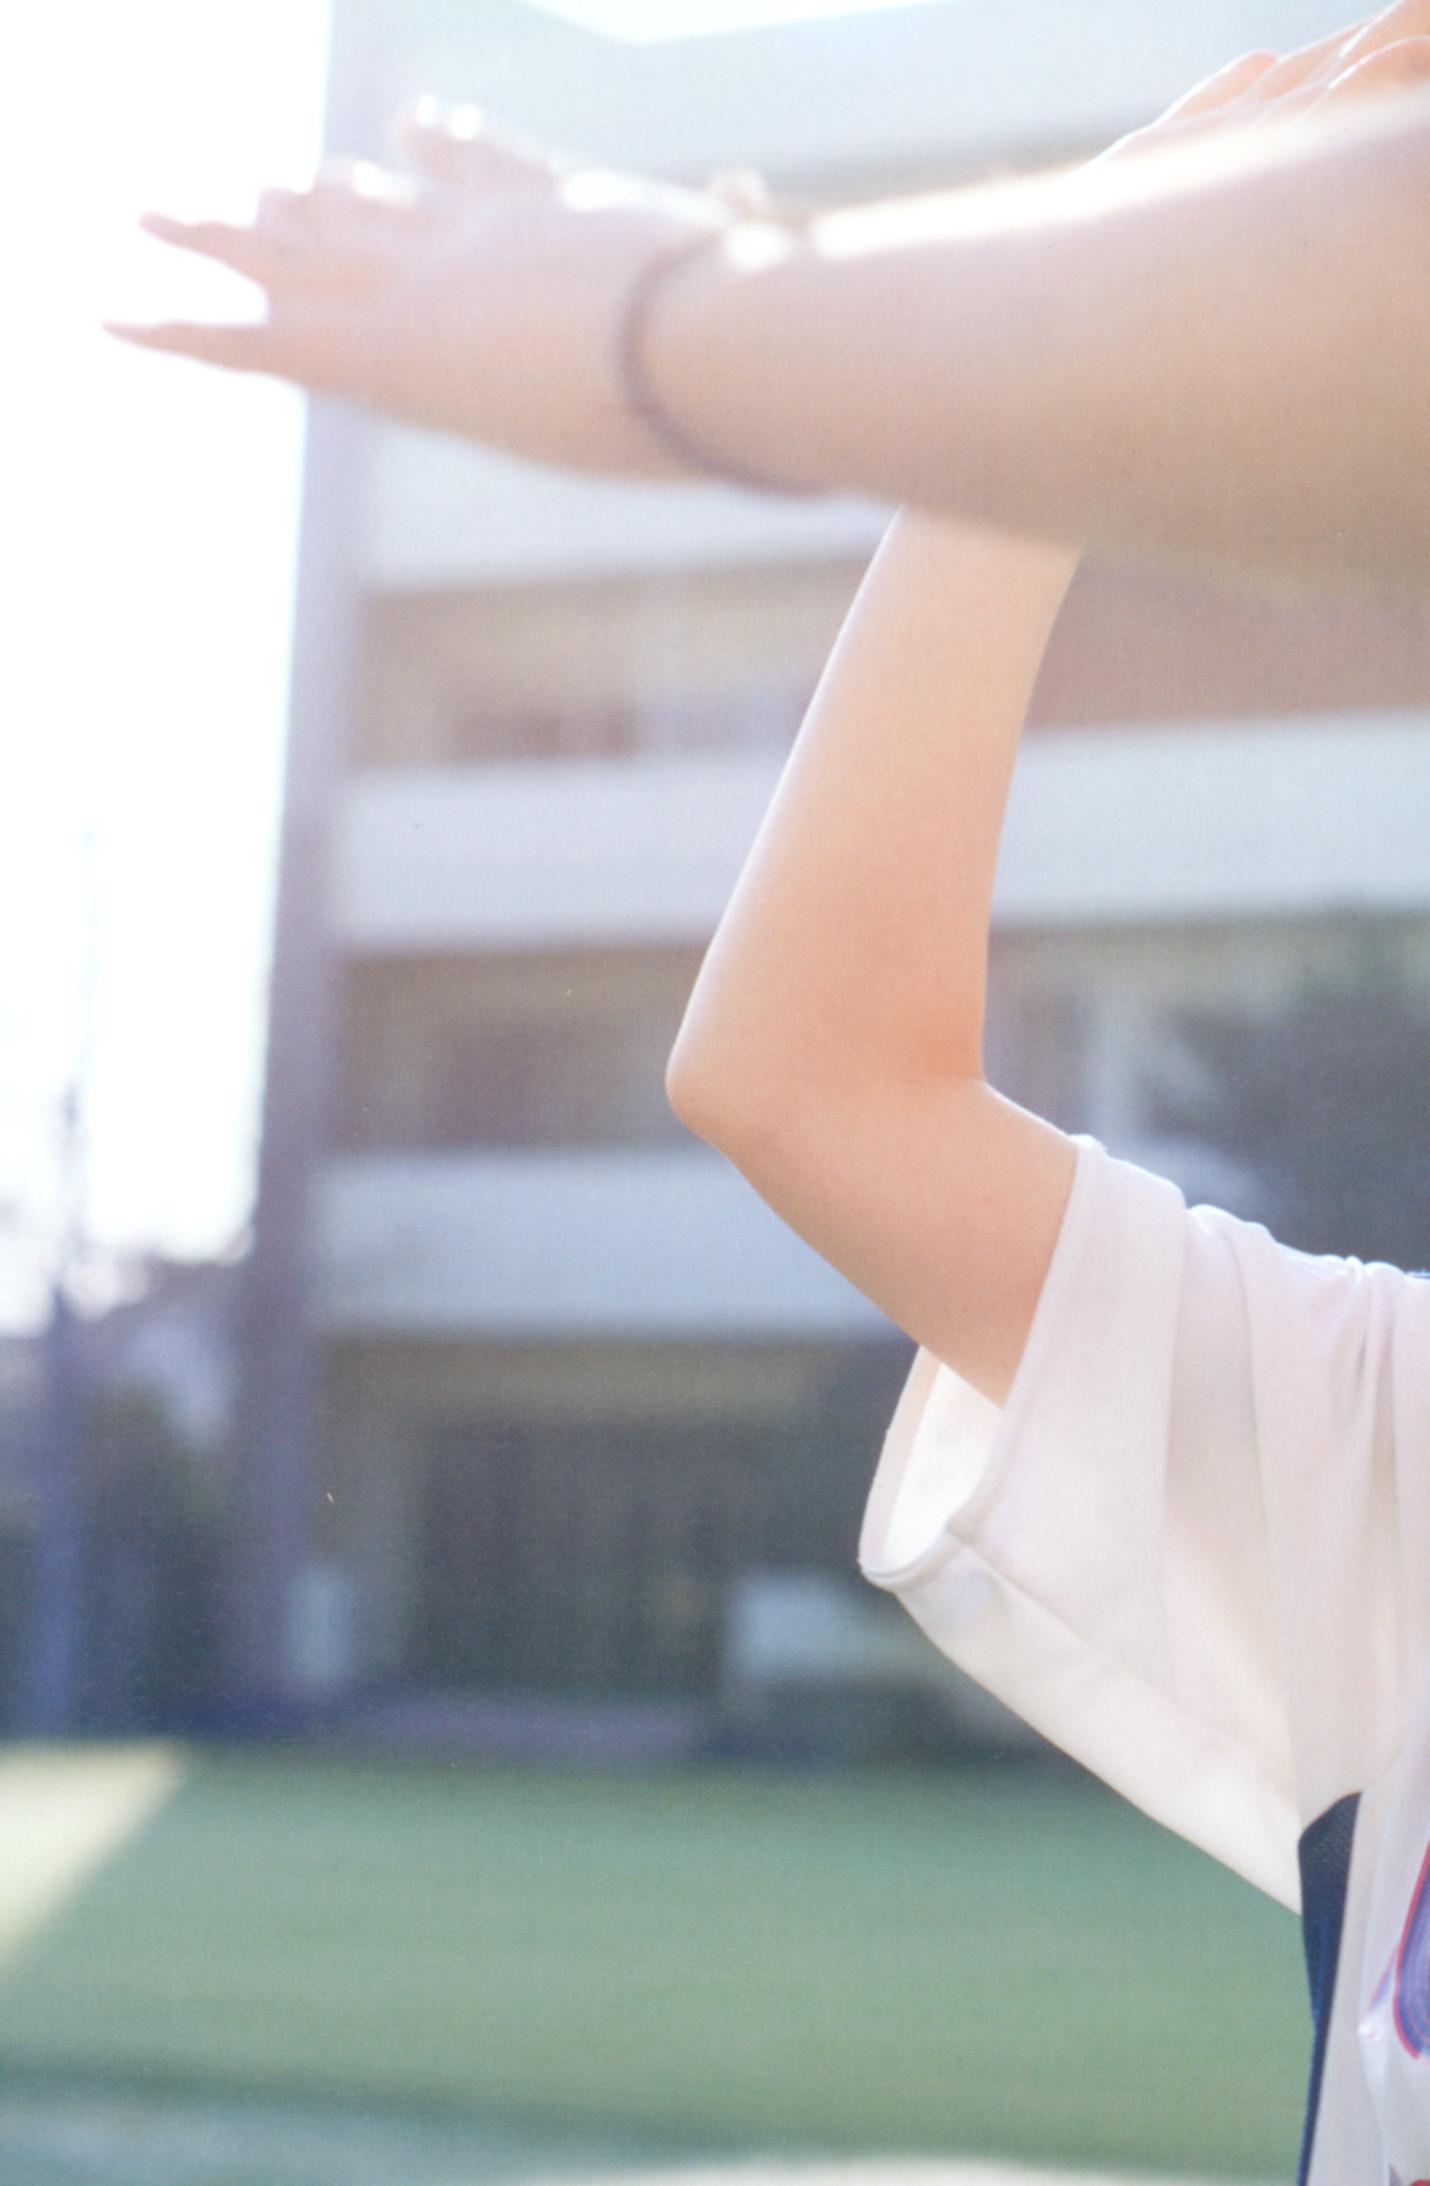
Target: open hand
<point>483,299</point>
<point>1379,54</point>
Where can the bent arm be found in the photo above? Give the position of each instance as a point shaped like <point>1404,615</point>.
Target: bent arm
<point>832,1047</point>
<point>1214,354</point>
<point>856,937</point>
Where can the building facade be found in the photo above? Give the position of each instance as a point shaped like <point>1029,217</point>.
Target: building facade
<point>535,1383</point>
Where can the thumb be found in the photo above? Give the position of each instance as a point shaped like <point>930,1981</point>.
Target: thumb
<point>1399,67</point>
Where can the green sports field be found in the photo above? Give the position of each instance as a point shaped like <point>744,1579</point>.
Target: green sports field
<point>903,1963</point>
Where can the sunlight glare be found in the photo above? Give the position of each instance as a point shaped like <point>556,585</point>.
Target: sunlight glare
<point>63,1813</point>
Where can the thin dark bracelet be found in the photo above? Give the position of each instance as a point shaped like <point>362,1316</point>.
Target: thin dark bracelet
<point>640,398</point>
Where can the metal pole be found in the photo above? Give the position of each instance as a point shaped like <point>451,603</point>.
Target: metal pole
<point>50,1673</point>
<point>278,1424</point>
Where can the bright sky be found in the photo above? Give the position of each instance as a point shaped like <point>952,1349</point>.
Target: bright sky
<point>151,511</point>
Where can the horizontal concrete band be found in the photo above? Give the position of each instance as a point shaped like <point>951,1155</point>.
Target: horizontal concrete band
<point>1111,826</point>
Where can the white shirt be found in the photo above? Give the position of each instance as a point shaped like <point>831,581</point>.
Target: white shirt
<point>1193,1550</point>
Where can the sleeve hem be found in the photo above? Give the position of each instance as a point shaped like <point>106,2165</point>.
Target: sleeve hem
<point>942,1478</point>
<point>1136,1737</point>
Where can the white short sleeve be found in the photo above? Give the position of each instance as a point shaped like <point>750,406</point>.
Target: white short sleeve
<point>1179,1549</point>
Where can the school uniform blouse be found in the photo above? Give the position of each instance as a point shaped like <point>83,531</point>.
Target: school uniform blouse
<point>1193,1549</point>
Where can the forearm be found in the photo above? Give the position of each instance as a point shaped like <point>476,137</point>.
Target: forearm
<point>1217,356</point>
<point>856,938</point>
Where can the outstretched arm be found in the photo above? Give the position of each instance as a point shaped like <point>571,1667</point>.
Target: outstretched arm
<point>1220,357</point>
<point>1218,354</point>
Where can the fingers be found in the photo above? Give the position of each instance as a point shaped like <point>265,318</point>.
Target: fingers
<point>241,348</point>
<point>247,250</point>
<point>1369,60</point>
<point>1328,57</point>
<point>1267,90</point>
<point>1228,83</point>
<point>1399,67</point>
<point>460,147</point>
<point>1384,70</point>
<point>339,235</point>
<point>1407,19</point>
<point>316,351</point>
<point>1402,19</point>
<point>1290,73</point>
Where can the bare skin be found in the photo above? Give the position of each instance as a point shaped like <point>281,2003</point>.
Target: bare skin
<point>832,1048</point>
<point>482,299</point>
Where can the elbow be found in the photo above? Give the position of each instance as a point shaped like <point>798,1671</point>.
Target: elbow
<point>745,1114</point>
<point>705,1103</point>
<point>689,1096</point>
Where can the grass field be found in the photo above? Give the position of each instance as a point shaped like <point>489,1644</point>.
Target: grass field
<point>906,1963</point>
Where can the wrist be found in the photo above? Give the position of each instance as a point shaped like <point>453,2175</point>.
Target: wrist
<point>701,355</point>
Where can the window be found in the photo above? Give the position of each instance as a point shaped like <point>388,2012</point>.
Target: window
<point>518,1049</point>
<point>541,732</point>
<point>587,1081</point>
<point>738,717</point>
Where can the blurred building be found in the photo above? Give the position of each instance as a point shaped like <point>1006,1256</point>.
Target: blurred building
<point>21,1398</point>
<point>116,1441</point>
<point>173,1339</point>
<point>533,1378</point>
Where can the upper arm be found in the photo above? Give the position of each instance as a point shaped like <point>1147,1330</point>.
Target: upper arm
<point>940,1200</point>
